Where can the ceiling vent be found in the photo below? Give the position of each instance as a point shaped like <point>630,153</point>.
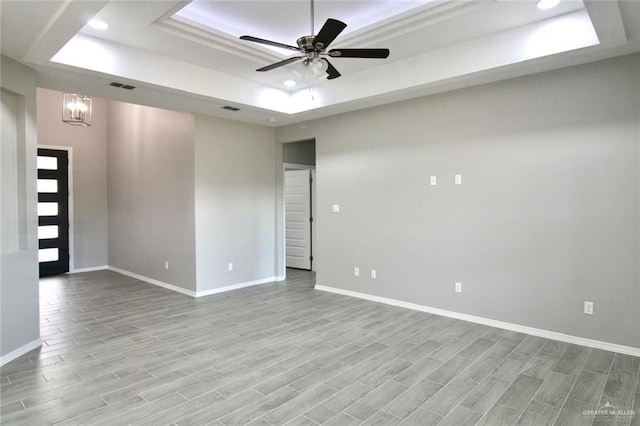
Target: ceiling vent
<point>122,86</point>
<point>230,108</point>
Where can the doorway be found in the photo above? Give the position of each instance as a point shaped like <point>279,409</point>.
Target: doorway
<point>299,182</point>
<point>53,211</point>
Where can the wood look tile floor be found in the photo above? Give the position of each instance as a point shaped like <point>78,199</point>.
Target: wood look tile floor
<point>117,351</point>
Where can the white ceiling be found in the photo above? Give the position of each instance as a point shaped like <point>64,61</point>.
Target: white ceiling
<point>187,55</point>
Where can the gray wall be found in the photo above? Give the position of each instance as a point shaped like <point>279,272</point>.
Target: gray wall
<point>89,148</point>
<point>150,154</point>
<point>303,152</point>
<point>19,309</point>
<point>546,218</point>
<point>235,199</point>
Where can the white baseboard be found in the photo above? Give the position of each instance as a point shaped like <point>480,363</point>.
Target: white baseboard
<point>236,286</point>
<point>191,292</point>
<point>93,268</point>
<point>154,282</point>
<point>486,321</point>
<point>20,351</point>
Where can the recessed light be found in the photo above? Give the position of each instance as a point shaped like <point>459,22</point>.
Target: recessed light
<point>290,83</point>
<point>547,4</point>
<point>273,119</point>
<point>97,24</point>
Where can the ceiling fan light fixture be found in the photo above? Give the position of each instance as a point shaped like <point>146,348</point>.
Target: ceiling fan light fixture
<point>319,67</point>
<point>547,4</point>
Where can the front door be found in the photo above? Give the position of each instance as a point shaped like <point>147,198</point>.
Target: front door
<point>53,211</point>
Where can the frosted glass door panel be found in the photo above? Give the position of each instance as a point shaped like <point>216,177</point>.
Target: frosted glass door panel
<point>48,255</point>
<point>47,232</point>
<point>47,209</point>
<point>48,186</point>
<point>47,163</point>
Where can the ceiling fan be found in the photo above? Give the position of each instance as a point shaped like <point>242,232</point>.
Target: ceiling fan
<point>313,48</point>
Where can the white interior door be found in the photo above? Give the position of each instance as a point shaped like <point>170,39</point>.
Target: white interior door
<point>297,205</point>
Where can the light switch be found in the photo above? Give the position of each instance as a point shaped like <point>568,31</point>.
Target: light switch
<point>374,274</point>
<point>356,271</point>
<point>433,181</point>
<point>336,208</point>
<point>458,179</point>
<point>588,308</point>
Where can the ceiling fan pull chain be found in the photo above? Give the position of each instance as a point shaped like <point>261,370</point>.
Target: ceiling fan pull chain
<point>313,80</point>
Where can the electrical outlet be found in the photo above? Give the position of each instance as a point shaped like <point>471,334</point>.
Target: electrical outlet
<point>335,208</point>
<point>356,272</point>
<point>374,274</point>
<point>230,266</point>
<point>458,287</point>
<point>433,181</point>
<point>588,308</point>
<point>166,264</point>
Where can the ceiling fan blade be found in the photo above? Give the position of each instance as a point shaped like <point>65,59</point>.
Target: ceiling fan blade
<point>280,64</point>
<point>331,70</point>
<point>329,31</point>
<point>359,53</point>
<point>269,42</point>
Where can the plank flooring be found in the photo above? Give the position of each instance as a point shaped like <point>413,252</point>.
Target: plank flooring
<point>118,351</point>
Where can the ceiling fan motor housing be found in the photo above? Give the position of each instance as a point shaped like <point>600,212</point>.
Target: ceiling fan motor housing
<point>306,44</point>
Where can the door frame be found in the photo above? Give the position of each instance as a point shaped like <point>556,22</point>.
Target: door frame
<point>70,200</point>
<point>295,166</point>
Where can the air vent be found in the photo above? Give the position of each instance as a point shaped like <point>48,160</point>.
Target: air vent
<point>230,108</point>
<point>122,86</point>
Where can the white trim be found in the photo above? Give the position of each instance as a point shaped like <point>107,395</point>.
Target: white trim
<point>486,321</point>
<point>154,282</point>
<point>281,278</point>
<point>191,292</point>
<point>91,269</point>
<point>314,215</point>
<point>20,351</point>
<point>236,286</point>
<point>69,150</point>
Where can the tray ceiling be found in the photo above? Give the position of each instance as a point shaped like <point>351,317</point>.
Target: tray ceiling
<point>188,55</point>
